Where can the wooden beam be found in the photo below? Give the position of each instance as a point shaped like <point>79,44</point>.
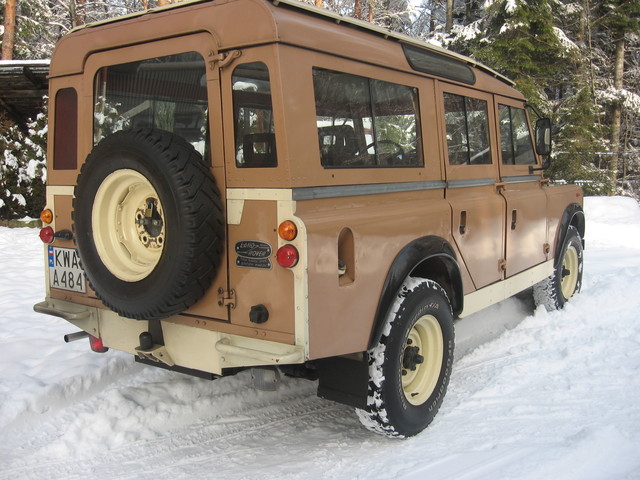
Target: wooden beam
<point>27,72</point>
<point>14,114</point>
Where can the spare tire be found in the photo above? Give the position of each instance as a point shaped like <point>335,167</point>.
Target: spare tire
<point>148,223</point>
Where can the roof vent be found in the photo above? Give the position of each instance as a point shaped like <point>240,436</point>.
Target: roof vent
<point>437,64</point>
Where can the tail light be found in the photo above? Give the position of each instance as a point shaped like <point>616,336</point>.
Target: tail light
<point>47,234</point>
<point>97,345</point>
<point>287,256</point>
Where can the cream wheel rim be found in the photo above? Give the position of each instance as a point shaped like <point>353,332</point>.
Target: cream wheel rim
<point>128,225</point>
<point>422,360</point>
<point>569,272</point>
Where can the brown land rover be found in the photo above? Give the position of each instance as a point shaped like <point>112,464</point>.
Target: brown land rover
<point>244,183</point>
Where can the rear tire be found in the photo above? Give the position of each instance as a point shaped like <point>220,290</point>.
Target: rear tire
<point>556,290</point>
<point>410,367</point>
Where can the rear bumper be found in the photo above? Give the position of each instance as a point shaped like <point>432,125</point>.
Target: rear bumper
<point>184,346</point>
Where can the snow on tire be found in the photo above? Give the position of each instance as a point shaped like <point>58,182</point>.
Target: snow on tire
<point>557,289</point>
<point>410,367</point>
<point>148,223</point>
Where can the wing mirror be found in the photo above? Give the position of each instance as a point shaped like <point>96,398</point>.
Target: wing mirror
<point>543,136</point>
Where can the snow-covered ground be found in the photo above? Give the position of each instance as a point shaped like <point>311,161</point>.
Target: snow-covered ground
<point>532,396</point>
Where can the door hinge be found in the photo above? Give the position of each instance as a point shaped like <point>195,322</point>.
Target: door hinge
<point>227,298</point>
<point>223,59</point>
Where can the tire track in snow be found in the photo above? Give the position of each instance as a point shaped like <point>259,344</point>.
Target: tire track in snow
<point>225,434</point>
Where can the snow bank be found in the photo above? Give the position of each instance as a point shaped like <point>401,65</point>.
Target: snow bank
<point>551,395</point>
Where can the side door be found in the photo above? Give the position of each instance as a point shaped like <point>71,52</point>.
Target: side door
<point>522,188</point>
<point>477,208</point>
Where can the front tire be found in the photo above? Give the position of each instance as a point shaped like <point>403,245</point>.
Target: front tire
<point>410,367</point>
<point>556,290</point>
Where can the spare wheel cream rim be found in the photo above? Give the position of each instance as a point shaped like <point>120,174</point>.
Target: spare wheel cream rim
<point>128,225</point>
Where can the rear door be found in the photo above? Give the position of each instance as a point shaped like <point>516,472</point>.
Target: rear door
<point>478,209</point>
<point>171,85</point>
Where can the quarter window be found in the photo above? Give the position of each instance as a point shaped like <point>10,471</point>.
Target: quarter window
<point>65,135</point>
<point>253,117</point>
<point>169,93</point>
<point>515,139</point>
<point>467,130</point>
<point>365,123</point>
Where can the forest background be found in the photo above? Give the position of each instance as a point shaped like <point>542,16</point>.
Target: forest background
<point>578,61</point>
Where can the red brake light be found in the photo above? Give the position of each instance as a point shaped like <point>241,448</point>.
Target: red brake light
<point>46,235</point>
<point>287,256</point>
<point>97,345</point>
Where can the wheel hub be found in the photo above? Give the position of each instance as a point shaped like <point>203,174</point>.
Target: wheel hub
<point>422,360</point>
<point>150,226</point>
<point>412,358</point>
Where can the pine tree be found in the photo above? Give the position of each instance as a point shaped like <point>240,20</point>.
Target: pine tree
<point>23,169</point>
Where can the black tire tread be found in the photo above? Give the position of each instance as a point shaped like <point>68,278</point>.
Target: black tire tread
<point>200,208</point>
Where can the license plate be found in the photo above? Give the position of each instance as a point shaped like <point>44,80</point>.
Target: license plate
<point>65,272</point>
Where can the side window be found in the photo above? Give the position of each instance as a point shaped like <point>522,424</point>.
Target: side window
<point>467,130</point>
<point>253,117</point>
<point>365,123</point>
<point>169,93</point>
<point>515,139</point>
<point>65,149</point>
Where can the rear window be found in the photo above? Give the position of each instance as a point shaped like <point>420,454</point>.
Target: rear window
<point>365,123</point>
<point>169,93</point>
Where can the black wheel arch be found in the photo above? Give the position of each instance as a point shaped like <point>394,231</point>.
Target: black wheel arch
<point>428,257</point>
<point>573,216</point>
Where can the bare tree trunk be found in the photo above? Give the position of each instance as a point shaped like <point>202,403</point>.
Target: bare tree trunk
<point>370,11</point>
<point>449,22</point>
<point>616,113</point>
<point>588,41</point>
<point>80,12</point>
<point>162,3</point>
<point>357,9</point>
<point>72,13</point>
<point>145,4</point>
<point>8,38</point>
<point>319,3</point>
<point>468,13</point>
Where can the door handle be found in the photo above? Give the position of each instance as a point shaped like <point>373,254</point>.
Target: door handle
<point>463,222</point>
<point>514,219</point>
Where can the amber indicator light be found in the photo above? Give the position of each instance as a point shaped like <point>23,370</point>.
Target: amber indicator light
<point>288,230</point>
<point>46,216</point>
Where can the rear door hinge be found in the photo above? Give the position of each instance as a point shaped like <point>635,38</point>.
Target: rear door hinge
<point>223,59</point>
<point>227,298</point>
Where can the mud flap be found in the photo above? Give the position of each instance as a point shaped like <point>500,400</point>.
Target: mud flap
<point>343,380</point>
